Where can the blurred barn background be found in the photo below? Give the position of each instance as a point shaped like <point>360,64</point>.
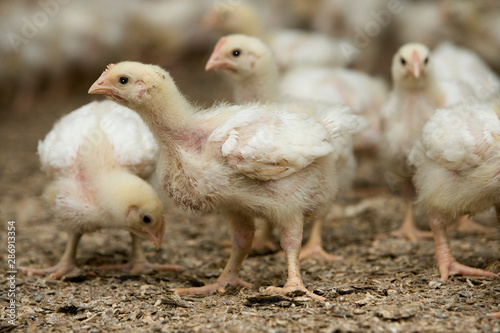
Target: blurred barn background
<point>52,50</point>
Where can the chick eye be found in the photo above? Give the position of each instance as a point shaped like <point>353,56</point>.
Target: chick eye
<point>426,60</point>
<point>146,219</point>
<point>403,61</point>
<point>124,80</point>
<point>236,53</point>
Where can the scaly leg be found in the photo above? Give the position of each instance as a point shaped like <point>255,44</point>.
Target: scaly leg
<point>138,264</point>
<point>446,262</point>
<point>243,232</point>
<point>314,246</point>
<point>291,239</point>
<point>65,265</point>
<point>263,241</point>
<point>408,229</point>
<point>467,225</point>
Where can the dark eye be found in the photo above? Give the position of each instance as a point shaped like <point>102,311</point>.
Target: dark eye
<point>124,80</point>
<point>236,53</point>
<point>146,219</point>
<point>426,60</point>
<point>403,61</point>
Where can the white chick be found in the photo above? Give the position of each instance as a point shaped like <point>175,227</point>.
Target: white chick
<point>415,97</point>
<point>97,158</point>
<point>257,160</point>
<point>453,62</point>
<point>250,66</point>
<point>362,93</point>
<point>290,47</point>
<point>456,161</point>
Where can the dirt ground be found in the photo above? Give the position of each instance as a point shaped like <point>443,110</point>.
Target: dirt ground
<point>381,284</point>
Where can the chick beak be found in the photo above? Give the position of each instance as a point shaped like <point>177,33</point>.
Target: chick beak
<point>216,60</point>
<point>416,65</point>
<point>155,236</point>
<point>101,86</point>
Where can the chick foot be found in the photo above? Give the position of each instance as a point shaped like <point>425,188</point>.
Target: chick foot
<point>66,264</point>
<point>263,241</point>
<point>447,264</point>
<point>264,246</point>
<point>467,225</point>
<point>219,287</point>
<point>56,272</point>
<point>141,267</point>
<point>138,264</point>
<point>243,231</point>
<point>293,287</point>
<point>411,233</point>
<point>408,229</point>
<point>314,246</point>
<point>452,267</point>
<point>316,251</point>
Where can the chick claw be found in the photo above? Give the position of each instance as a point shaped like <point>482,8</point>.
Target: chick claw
<point>316,251</point>
<point>56,272</point>
<point>454,268</point>
<point>411,233</point>
<point>287,289</point>
<point>219,287</point>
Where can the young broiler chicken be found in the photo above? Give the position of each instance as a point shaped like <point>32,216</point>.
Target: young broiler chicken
<point>454,62</point>
<point>255,77</point>
<point>363,93</point>
<point>457,162</point>
<point>97,158</point>
<point>415,97</point>
<point>256,160</point>
<point>291,47</point>
<point>250,66</point>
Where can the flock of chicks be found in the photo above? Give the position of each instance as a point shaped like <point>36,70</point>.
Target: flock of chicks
<point>283,153</point>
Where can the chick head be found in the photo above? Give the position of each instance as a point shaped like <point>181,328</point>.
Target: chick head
<point>240,57</point>
<point>143,211</point>
<point>410,65</point>
<point>130,83</point>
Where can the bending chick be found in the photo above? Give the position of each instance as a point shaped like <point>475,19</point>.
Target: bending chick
<point>96,158</point>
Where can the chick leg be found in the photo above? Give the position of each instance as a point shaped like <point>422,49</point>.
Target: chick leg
<point>446,262</point>
<point>66,264</point>
<point>290,240</point>
<point>467,225</point>
<point>138,264</point>
<point>408,229</point>
<point>243,232</point>
<point>314,246</point>
<point>263,241</point>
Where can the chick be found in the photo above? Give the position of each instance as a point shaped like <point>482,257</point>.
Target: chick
<point>249,65</point>
<point>415,97</point>
<point>456,162</point>
<point>97,158</point>
<point>258,160</point>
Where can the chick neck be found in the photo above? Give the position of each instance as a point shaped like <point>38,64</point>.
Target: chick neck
<point>166,111</point>
<point>260,86</point>
<point>426,85</point>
